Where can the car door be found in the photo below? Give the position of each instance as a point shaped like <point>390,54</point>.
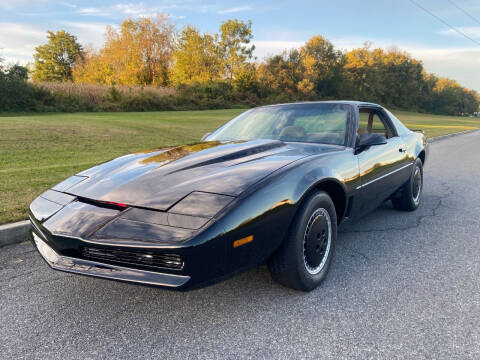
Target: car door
<point>383,168</point>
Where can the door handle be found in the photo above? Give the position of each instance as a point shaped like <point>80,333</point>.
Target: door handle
<point>402,150</point>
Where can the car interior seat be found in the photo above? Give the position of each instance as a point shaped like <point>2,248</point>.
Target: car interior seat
<point>293,133</point>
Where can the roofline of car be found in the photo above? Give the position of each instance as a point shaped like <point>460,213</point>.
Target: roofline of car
<point>346,102</point>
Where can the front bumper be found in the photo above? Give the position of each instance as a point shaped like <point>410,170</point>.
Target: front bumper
<point>107,271</point>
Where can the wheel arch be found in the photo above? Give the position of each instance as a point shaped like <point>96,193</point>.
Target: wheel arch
<point>421,156</point>
<point>335,190</point>
<point>420,148</point>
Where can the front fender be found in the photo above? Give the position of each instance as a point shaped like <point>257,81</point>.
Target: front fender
<point>266,211</point>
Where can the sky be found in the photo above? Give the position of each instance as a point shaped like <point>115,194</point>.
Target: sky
<point>277,25</point>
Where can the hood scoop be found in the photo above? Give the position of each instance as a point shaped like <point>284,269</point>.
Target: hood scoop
<point>180,157</point>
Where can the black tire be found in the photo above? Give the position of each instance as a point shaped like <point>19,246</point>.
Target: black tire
<point>408,197</point>
<point>303,260</point>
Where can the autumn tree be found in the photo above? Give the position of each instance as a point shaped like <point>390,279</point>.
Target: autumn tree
<point>197,58</point>
<point>224,56</point>
<point>425,100</point>
<point>55,59</point>
<point>449,97</point>
<point>314,70</point>
<point>283,75</point>
<point>471,101</point>
<point>322,67</point>
<point>402,78</point>
<point>234,48</point>
<point>93,68</point>
<point>140,52</point>
<point>390,77</point>
<point>362,73</point>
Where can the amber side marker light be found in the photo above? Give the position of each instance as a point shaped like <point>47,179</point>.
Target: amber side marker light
<point>243,241</point>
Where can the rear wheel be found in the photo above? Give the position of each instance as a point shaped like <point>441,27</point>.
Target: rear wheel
<point>303,260</point>
<point>409,195</point>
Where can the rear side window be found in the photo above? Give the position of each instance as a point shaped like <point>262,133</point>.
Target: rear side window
<point>377,125</point>
<point>370,121</point>
<point>401,129</point>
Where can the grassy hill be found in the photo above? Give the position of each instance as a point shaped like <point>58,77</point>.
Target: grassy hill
<point>37,151</point>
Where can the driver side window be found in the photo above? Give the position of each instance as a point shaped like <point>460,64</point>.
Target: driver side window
<point>371,122</point>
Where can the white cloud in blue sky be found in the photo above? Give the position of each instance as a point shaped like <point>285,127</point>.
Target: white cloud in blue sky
<point>472,31</point>
<point>277,25</point>
<point>235,9</point>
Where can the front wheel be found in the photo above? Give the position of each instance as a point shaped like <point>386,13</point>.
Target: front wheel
<point>303,260</point>
<point>409,195</point>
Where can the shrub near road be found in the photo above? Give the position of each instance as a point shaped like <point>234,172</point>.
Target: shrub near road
<point>38,151</point>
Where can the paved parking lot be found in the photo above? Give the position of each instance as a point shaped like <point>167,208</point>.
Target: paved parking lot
<point>402,285</point>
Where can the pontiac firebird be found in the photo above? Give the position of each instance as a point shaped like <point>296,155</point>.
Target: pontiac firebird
<point>270,186</point>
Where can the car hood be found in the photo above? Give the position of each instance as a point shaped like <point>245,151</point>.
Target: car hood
<point>159,178</point>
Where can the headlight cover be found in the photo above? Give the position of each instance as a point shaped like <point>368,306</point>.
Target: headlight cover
<point>49,203</point>
<point>179,224</point>
<point>201,204</point>
<point>192,212</point>
<point>163,218</point>
<point>68,183</point>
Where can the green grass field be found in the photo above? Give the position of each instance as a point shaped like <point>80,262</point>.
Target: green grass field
<point>39,150</point>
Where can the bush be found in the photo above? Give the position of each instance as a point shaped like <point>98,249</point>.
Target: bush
<point>18,95</point>
<point>71,97</point>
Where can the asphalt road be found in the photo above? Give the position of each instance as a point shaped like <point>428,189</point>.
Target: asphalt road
<point>402,285</point>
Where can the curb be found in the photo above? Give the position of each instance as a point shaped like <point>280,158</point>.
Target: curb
<point>438,138</point>
<point>14,232</point>
<point>18,232</point>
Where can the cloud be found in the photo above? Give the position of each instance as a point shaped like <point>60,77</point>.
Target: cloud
<point>18,41</point>
<point>86,32</point>
<point>459,64</point>
<point>264,48</point>
<point>472,31</point>
<point>92,11</point>
<point>9,4</point>
<point>127,9</point>
<point>72,6</point>
<point>235,10</point>
<point>140,9</point>
<point>94,27</point>
<point>177,17</point>
<point>133,9</point>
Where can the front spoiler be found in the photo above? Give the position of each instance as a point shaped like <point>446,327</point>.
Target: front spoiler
<point>107,271</point>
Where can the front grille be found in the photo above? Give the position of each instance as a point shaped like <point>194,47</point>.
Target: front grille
<point>164,261</point>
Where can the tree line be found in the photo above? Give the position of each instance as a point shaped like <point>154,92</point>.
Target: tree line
<point>219,69</point>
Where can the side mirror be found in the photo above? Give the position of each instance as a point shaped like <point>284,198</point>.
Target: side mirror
<point>205,136</point>
<point>370,139</point>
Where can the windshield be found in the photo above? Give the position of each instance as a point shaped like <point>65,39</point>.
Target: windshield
<point>315,123</point>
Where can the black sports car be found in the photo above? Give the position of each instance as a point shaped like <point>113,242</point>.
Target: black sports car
<point>271,185</point>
